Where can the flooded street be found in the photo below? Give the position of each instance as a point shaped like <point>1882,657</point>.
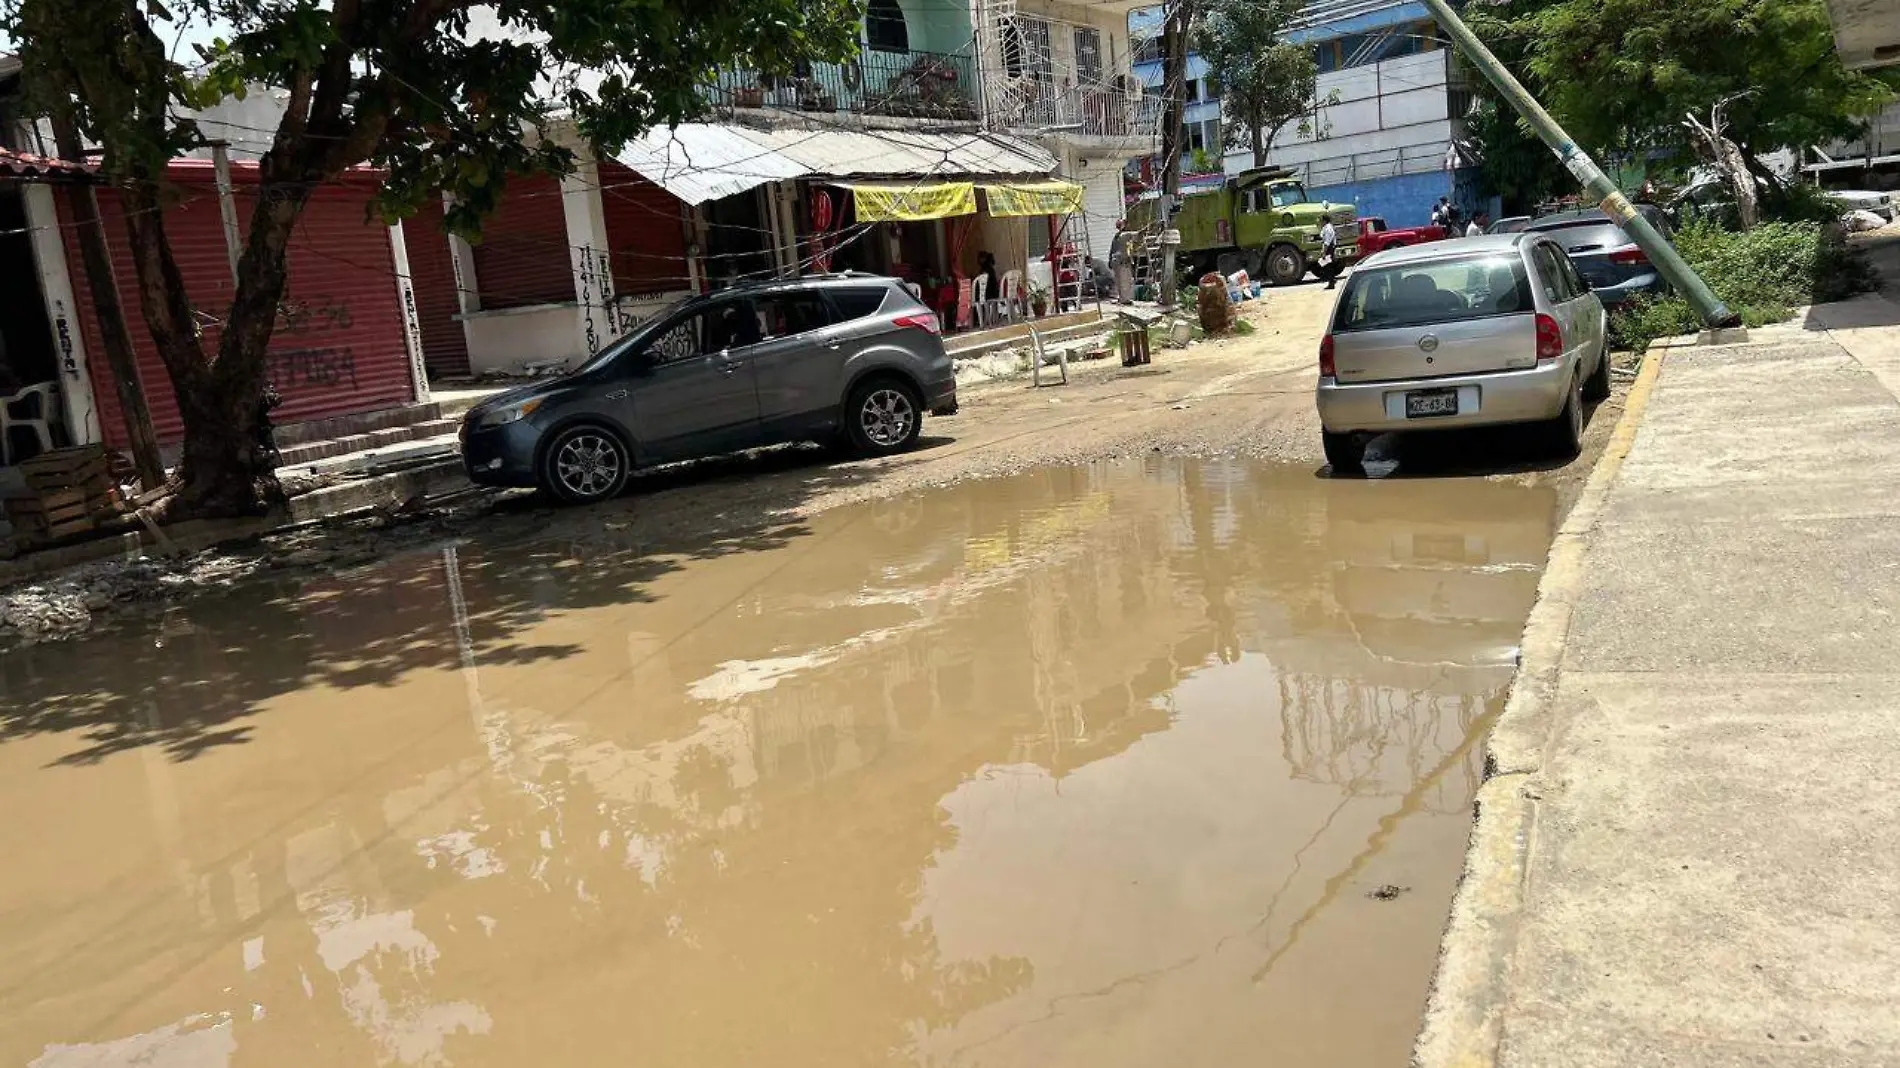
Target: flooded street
<point>1157,761</point>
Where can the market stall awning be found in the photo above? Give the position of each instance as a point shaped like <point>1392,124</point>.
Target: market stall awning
<point>911,201</point>
<point>1033,198</point>
<point>697,162</point>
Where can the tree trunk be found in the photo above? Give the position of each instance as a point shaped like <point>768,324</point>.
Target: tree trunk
<point>219,471</point>
<point>1259,146</point>
<point>1723,154</point>
<point>83,202</point>
<point>243,460</point>
<point>1746,203</point>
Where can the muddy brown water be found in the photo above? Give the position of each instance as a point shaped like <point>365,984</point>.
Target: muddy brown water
<point>1090,766</point>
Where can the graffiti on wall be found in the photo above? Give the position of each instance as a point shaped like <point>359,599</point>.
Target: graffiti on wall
<point>328,367</point>
<point>305,317</point>
<point>63,329</point>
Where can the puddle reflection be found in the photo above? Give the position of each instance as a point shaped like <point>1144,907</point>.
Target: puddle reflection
<point>1087,766</point>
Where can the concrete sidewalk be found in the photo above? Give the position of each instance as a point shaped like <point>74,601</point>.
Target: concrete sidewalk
<point>1689,851</point>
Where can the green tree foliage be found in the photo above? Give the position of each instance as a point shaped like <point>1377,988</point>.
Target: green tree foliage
<point>1760,274</point>
<point>416,87</point>
<point>1514,164</point>
<point>1265,83</point>
<point>1621,74</point>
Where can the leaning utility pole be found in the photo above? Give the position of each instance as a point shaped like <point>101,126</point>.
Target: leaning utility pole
<point>1174,42</point>
<point>90,231</point>
<point>1578,162</point>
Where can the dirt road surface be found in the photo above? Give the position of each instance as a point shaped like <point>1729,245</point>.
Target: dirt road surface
<point>1244,395</point>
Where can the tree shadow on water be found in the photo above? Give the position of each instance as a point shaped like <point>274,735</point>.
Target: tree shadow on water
<point>188,679</point>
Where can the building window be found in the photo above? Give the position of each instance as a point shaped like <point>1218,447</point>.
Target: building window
<point>1025,47</point>
<point>1088,55</point>
<point>1193,90</point>
<point>884,29</point>
<point>1148,49</point>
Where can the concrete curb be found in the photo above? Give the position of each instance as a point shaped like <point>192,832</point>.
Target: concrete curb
<point>1464,1016</point>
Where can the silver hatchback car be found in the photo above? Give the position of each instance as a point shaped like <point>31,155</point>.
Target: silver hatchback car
<point>1473,332</point>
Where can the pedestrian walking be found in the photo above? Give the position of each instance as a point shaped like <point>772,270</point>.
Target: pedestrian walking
<point>1328,243</point>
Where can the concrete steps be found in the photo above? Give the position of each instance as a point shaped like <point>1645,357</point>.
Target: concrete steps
<point>306,444</point>
<point>294,455</point>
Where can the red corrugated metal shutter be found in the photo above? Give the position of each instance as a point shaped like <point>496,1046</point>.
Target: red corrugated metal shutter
<point>189,224</point>
<point>444,342</point>
<point>340,347</point>
<point>523,256</point>
<point>644,232</point>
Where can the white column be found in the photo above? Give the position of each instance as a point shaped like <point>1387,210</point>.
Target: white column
<point>589,257</point>
<point>468,298</point>
<point>411,322</point>
<point>62,311</point>
<point>787,194</point>
<point>694,224</point>
<point>768,196</point>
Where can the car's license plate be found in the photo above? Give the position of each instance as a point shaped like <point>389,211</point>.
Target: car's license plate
<point>1425,403</point>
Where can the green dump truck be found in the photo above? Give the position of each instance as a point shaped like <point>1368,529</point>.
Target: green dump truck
<point>1260,220</point>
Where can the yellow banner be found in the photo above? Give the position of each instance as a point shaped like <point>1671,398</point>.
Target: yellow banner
<point>1034,198</point>
<point>906,202</point>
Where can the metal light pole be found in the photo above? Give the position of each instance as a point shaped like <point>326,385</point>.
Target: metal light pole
<point>1578,162</point>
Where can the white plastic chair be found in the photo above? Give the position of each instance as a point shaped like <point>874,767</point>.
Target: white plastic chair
<point>980,302</point>
<point>41,423</point>
<point>1013,295</point>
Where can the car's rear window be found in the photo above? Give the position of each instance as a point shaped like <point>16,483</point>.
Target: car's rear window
<point>1586,235</point>
<point>1439,291</point>
<point>856,302</point>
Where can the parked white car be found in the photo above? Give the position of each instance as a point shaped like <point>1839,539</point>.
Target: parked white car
<point>1880,204</point>
<point>1476,331</point>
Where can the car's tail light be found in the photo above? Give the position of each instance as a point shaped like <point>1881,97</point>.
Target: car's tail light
<point>1629,257</point>
<point>926,321</point>
<point>1326,367</point>
<point>1550,339</point>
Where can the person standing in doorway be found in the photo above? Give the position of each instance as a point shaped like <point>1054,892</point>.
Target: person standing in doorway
<point>1441,212</point>
<point>1328,245</point>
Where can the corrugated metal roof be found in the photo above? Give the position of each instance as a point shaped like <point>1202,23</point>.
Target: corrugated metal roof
<point>698,162</point>
<point>842,153</point>
<point>28,165</point>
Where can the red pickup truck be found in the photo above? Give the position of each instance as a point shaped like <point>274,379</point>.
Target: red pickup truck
<point>1375,236</point>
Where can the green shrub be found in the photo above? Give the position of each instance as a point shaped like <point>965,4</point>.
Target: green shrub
<point>1800,202</point>
<point>1643,319</point>
<point>1759,274</point>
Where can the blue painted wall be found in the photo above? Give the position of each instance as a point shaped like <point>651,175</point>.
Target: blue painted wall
<point>1406,199</point>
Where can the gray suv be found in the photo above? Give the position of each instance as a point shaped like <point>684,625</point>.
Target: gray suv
<point>852,357</point>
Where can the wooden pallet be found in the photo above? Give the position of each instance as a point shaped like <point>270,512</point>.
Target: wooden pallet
<point>59,469</point>
<point>72,492</point>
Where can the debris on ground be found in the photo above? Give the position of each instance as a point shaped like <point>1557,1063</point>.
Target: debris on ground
<point>69,603</point>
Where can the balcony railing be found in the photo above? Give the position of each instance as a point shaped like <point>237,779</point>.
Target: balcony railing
<point>1034,103</point>
<point>917,85</point>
